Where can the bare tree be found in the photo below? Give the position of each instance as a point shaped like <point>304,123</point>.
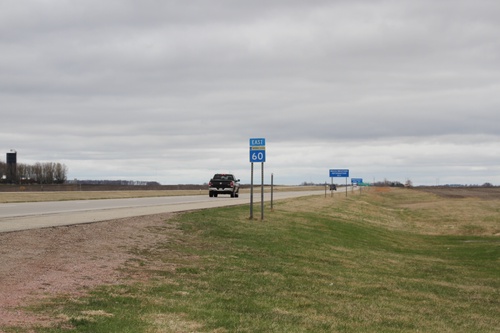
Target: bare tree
<point>41,173</point>
<point>60,171</point>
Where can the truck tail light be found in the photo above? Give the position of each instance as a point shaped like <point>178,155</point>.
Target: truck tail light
<point>209,183</point>
<point>231,184</point>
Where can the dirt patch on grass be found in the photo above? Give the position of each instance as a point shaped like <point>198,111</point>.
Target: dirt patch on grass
<point>37,264</point>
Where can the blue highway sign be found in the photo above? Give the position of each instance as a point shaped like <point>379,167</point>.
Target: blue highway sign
<point>257,155</point>
<point>339,172</point>
<point>255,142</point>
<point>257,150</point>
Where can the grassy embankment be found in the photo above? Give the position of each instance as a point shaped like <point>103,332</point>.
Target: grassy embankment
<point>396,261</point>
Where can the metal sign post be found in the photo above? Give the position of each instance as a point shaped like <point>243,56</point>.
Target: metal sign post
<point>358,182</point>
<point>346,187</point>
<point>251,192</point>
<point>272,191</point>
<point>262,192</point>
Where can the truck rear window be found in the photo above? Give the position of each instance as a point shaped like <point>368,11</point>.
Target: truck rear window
<point>223,177</point>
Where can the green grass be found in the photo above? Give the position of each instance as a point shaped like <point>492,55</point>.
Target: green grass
<point>314,265</point>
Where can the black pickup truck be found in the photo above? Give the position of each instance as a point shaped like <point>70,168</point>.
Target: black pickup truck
<point>223,183</point>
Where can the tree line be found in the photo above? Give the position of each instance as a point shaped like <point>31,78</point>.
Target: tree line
<point>114,182</point>
<point>38,173</point>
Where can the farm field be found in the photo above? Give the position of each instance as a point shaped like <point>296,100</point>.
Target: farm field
<point>487,193</point>
<point>10,197</point>
<point>40,196</point>
<point>383,260</point>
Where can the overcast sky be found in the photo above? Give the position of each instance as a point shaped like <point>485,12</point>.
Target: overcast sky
<point>172,91</point>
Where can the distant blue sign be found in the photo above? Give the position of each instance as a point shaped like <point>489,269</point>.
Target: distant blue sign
<point>356,180</point>
<point>257,150</point>
<point>339,173</point>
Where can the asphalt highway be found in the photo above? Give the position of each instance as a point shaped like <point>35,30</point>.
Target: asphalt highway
<point>33,215</point>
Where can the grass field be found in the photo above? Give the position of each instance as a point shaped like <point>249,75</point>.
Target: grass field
<point>384,261</point>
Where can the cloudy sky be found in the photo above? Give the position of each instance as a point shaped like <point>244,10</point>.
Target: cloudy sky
<point>172,91</point>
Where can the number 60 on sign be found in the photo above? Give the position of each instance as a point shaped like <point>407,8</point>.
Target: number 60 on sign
<point>257,155</point>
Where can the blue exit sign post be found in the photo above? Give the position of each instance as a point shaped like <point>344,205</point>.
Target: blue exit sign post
<point>340,173</point>
<point>257,155</point>
<point>257,150</point>
<point>356,182</point>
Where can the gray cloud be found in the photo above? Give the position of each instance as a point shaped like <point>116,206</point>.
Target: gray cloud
<point>172,91</point>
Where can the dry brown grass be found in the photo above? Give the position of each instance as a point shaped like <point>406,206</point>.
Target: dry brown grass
<point>422,212</point>
<point>88,195</point>
<point>473,212</point>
